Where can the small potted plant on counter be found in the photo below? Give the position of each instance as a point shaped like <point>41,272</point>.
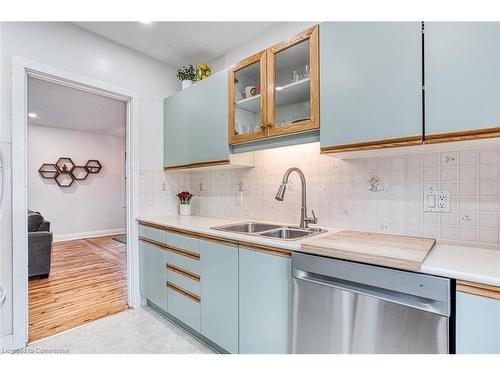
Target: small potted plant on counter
<point>185,202</point>
<point>187,75</point>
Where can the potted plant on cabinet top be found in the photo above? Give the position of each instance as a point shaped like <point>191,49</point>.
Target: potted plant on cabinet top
<point>185,202</point>
<point>186,75</point>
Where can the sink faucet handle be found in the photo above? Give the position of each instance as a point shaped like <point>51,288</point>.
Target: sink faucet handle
<point>314,216</point>
<point>313,220</point>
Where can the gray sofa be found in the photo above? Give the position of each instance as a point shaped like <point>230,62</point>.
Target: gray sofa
<point>39,245</point>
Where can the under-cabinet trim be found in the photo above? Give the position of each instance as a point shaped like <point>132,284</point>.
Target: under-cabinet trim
<point>463,135</point>
<point>251,246</point>
<point>201,164</point>
<point>182,271</point>
<point>183,291</point>
<point>477,289</point>
<point>373,145</point>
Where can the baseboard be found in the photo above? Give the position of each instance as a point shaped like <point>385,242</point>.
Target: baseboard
<point>81,235</point>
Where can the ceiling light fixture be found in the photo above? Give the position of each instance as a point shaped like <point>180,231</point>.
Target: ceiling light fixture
<point>32,115</point>
<point>146,22</point>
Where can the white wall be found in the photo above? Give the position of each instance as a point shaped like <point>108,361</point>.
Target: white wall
<point>90,207</point>
<point>68,47</point>
<point>265,39</point>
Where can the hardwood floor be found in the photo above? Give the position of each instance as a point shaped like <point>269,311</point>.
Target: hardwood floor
<point>87,281</point>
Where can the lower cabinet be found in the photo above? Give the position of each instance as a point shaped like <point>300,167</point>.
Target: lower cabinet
<point>238,298</point>
<point>477,324</point>
<point>152,274</point>
<point>264,303</point>
<point>219,294</point>
<point>183,306</point>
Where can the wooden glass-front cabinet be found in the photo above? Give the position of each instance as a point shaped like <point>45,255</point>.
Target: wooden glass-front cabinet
<point>276,92</point>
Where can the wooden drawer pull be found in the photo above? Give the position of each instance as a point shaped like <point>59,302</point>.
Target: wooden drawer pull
<point>153,242</point>
<point>182,272</point>
<point>477,289</point>
<point>183,252</point>
<point>184,292</point>
<point>170,248</point>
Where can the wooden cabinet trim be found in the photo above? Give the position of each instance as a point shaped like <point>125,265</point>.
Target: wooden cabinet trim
<point>182,271</point>
<point>251,246</point>
<point>211,163</point>
<point>182,252</point>
<point>373,145</point>
<point>171,248</point>
<point>463,135</point>
<point>183,291</point>
<point>313,123</point>
<point>477,289</point>
<point>153,242</point>
<point>260,57</point>
<point>267,249</point>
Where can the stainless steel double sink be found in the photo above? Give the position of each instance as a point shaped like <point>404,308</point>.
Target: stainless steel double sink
<point>282,232</point>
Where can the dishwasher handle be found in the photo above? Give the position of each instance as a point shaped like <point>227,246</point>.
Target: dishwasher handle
<point>417,302</point>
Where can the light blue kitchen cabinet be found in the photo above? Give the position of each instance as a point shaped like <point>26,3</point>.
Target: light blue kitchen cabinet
<point>264,303</point>
<point>219,294</point>
<point>153,274</point>
<point>477,324</point>
<point>176,125</point>
<point>462,76</point>
<point>153,233</point>
<point>209,119</point>
<point>196,123</point>
<point>184,308</point>
<point>370,83</point>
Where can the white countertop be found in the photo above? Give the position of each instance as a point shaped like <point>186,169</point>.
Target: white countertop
<point>464,262</point>
<point>458,261</point>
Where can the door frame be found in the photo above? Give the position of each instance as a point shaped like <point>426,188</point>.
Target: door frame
<point>22,69</point>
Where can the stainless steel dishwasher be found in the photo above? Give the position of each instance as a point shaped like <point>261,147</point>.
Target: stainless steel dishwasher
<point>347,307</point>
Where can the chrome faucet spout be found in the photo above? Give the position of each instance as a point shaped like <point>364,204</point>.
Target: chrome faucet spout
<point>280,195</point>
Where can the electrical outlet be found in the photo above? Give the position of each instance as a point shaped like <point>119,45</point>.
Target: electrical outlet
<point>436,201</point>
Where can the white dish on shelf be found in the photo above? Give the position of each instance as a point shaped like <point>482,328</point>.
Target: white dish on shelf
<point>250,104</point>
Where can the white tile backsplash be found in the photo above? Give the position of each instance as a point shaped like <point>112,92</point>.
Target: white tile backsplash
<point>341,193</point>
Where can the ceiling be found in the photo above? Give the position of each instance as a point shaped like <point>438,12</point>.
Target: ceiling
<point>69,108</point>
<point>179,43</point>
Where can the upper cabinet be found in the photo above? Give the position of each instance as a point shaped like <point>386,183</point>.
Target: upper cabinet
<point>462,80</point>
<point>247,99</point>
<point>370,85</point>
<point>275,92</point>
<point>195,127</point>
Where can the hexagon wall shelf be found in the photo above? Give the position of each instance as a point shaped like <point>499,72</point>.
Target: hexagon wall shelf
<point>64,179</point>
<point>79,173</point>
<point>93,166</point>
<point>48,171</point>
<point>65,165</point>
<point>65,171</point>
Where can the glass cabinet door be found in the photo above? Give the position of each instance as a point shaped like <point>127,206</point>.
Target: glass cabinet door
<point>293,91</point>
<point>247,99</point>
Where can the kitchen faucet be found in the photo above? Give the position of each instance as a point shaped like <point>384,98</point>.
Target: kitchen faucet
<point>304,220</point>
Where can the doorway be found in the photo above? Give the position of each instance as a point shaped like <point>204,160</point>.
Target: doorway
<point>76,207</point>
<point>100,245</point>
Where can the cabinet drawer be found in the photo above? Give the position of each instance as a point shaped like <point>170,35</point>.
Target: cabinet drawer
<point>183,242</point>
<point>183,278</point>
<point>153,233</point>
<point>187,261</point>
<point>183,306</point>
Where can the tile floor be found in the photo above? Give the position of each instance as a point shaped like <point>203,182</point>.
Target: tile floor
<point>140,331</point>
